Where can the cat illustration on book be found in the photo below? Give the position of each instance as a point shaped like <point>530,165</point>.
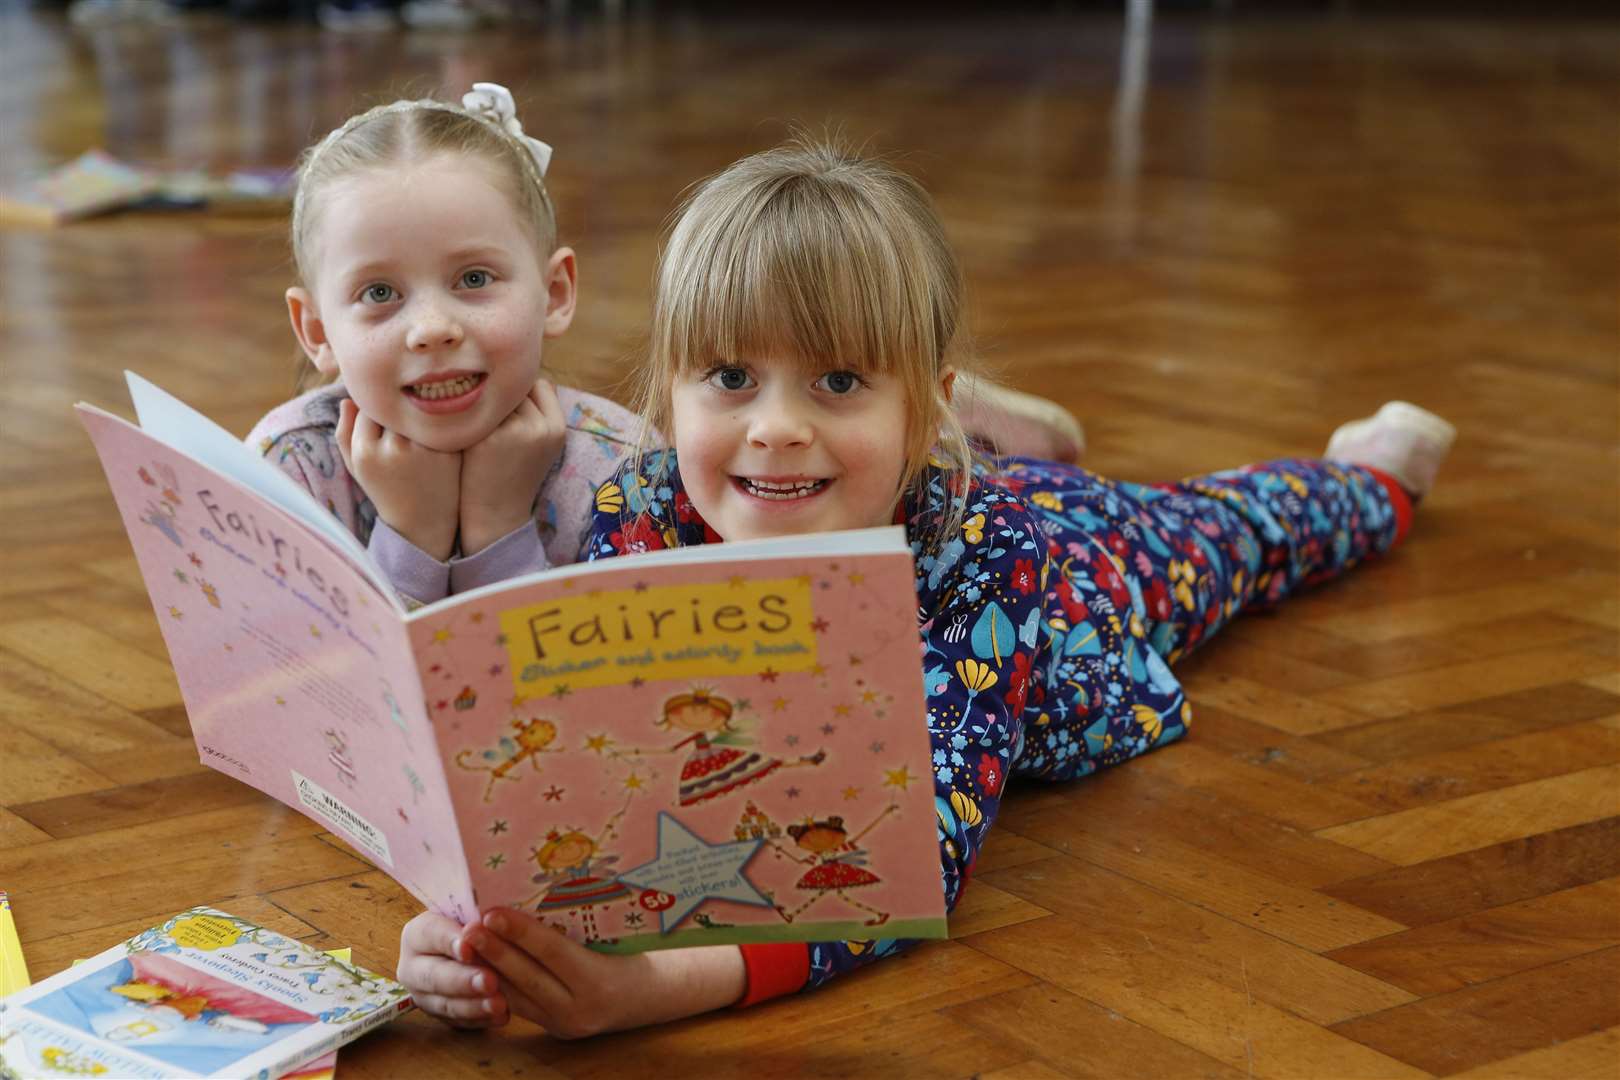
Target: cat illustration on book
<point>534,737</point>
<point>722,759</point>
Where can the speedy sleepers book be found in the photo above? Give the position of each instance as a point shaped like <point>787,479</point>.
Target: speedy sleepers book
<point>202,994</point>
<point>706,745</point>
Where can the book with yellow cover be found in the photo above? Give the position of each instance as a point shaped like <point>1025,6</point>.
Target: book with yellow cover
<point>706,745</point>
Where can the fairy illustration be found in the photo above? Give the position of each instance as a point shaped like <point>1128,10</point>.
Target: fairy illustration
<point>338,754</point>
<point>576,876</point>
<point>163,517</point>
<point>836,863</point>
<point>722,759</point>
<point>534,737</point>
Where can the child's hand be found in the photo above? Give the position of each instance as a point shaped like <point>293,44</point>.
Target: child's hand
<point>413,488</point>
<point>440,971</point>
<point>501,476</point>
<point>573,992</point>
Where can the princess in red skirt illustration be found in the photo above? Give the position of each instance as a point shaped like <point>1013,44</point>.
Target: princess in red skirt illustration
<point>836,864</point>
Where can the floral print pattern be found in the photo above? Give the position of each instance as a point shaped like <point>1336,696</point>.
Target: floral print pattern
<point>1050,618</point>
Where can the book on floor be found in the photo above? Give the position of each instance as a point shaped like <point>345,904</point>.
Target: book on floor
<point>204,993</point>
<point>705,745</point>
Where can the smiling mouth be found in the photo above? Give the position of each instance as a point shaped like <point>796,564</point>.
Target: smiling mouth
<point>440,389</point>
<point>783,490</point>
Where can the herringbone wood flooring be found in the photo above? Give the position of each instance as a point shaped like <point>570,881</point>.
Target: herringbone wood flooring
<point>1390,846</point>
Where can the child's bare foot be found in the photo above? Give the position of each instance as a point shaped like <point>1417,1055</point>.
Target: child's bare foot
<point>1015,424</point>
<point>1401,439</point>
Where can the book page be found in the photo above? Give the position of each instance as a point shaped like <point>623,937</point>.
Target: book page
<point>692,748</point>
<point>170,420</point>
<point>298,677</point>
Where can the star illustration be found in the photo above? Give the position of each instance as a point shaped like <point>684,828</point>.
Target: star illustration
<point>633,783</point>
<point>803,579</point>
<point>476,617</point>
<point>779,704</point>
<point>743,704</point>
<point>818,669</point>
<point>494,861</point>
<point>857,579</point>
<point>442,635</point>
<point>899,778</point>
<point>693,870</point>
<point>768,675</point>
<point>854,661</point>
<point>282,570</point>
<point>819,626</point>
<point>280,700</point>
<point>314,631</point>
<point>496,669</point>
<point>400,810</point>
<point>500,639</point>
<point>180,576</point>
<point>792,793</point>
<point>640,586</point>
<point>792,740</point>
<point>869,696</point>
<point>554,793</point>
<point>498,827</point>
<point>561,691</point>
<point>828,729</point>
<point>194,560</point>
<point>851,793</point>
<point>736,581</point>
<point>637,683</point>
<point>840,710</point>
<point>876,747</point>
<point>175,612</point>
<point>598,743</point>
<point>632,918</point>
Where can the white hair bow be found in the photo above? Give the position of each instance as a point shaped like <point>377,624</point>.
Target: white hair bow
<point>493,102</point>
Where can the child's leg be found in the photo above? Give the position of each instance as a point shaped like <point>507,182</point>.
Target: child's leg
<point>1144,574</point>
<point>1011,423</point>
<point>1256,534</point>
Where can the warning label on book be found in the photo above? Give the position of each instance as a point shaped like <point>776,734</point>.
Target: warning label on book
<point>365,836</point>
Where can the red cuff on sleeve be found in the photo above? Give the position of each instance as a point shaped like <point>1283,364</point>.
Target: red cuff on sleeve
<point>774,970</point>
<point>1398,498</point>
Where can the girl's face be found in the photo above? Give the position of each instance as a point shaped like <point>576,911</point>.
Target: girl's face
<point>696,717</point>
<point>430,299</point>
<point>767,448</point>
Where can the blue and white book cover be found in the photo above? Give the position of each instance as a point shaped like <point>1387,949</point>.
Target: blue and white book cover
<point>203,994</point>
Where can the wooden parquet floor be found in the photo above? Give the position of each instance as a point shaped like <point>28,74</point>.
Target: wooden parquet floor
<point>1390,846</point>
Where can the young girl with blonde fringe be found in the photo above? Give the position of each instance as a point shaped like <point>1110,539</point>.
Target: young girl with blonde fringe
<point>804,353</point>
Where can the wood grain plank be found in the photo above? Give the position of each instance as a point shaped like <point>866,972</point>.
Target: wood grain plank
<point>1490,817</point>
<point>1457,684</point>
<point>1485,945</point>
<point>1477,722</point>
<point>1589,1057</point>
<point>1451,1032</point>
<point>132,804</point>
<point>1133,918</point>
<point>1489,877</point>
<point>90,659</point>
<point>1156,991</point>
<point>1429,778</point>
<point>1071,1036</point>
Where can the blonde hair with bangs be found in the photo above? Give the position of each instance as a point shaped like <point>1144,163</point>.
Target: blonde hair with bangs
<point>410,131</point>
<point>814,253</point>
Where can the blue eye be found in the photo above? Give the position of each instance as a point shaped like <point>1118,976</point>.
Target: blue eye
<point>728,378</point>
<point>475,279</point>
<point>840,382</point>
<point>378,294</point>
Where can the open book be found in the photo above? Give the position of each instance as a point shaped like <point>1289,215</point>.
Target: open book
<point>202,994</point>
<point>706,745</point>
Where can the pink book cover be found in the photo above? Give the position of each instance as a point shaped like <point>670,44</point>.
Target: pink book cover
<point>709,745</point>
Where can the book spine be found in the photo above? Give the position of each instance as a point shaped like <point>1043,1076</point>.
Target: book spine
<point>341,1037</point>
